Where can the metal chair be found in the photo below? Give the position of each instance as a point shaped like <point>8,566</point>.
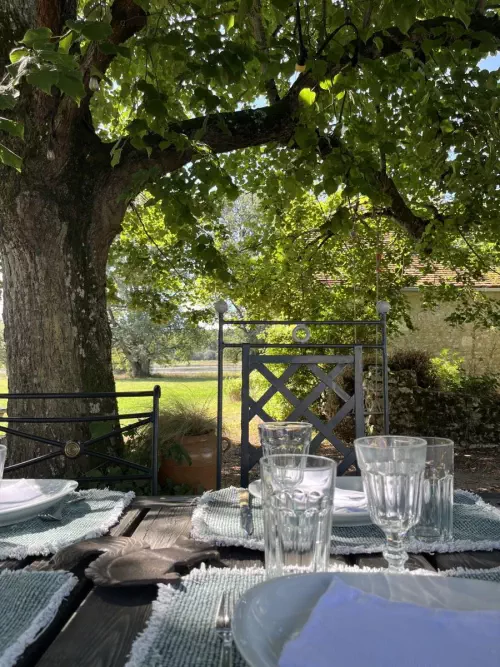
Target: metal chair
<point>73,449</point>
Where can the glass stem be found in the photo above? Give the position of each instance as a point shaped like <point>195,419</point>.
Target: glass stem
<point>394,553</point>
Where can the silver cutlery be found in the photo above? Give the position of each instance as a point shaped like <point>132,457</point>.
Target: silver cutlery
<point>223,628</point>
<point>246,519</point>
<point>56,512</point>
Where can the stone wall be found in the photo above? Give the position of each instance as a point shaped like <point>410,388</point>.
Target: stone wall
<point>470,421</point>
<point>479,347</point>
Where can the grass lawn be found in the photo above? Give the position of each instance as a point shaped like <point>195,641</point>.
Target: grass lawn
<point>197,389</point>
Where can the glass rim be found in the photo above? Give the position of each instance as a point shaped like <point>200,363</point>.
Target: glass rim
<point>331,463</point>
<point>282,424</point>
<point>364,443</point>
<point>442,442</point>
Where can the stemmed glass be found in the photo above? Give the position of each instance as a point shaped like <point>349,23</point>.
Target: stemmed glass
<point>392,467</point>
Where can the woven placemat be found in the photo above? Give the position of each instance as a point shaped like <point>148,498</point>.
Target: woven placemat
<point>180,631</point>
<point>94,514</point>
<point>28,603</point>
<point>476,526</point>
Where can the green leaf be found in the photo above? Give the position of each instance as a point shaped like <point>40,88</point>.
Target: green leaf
<point>95,30</point>
<point>172,39</point>
<point>71,84</point>
<point>230,22</point>
<point>405,17</point>
<point>116,155</point>
<point>8,100</point>
<point>16,54</point>
<point>123,51</point>
<point>446,126</point>
<point>243,10</point>
<point>65,42</point>
<point>75,26</point>
<point>282,5</point>
<point>305,137</point>
<point>379,43</point>
<point>137,126</point>
<point>307,96</point>
<point>460,11</point>
<point>43,79</point>
<point>37,36</point>
<point>12,127</point>
<point>10,158</point>
<point>341,95</point>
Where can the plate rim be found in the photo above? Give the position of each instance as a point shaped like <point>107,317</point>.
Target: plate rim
<point>346,576</point>
<point>69,486</point>
<point>339,518</point>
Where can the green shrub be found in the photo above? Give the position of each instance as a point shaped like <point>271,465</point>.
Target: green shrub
<point>448,369</point>
<point>176,421</point>
<point>418,361</point>
<point>232,388</point>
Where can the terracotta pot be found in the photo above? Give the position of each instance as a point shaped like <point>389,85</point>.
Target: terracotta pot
<point>202,450</point>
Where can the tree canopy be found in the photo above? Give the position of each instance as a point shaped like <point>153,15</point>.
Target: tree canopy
<point>384,99</point>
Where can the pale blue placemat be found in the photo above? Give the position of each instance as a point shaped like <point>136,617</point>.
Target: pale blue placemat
<point>476,526</point>
<point>28,603</point>
<point>180,631</point>
<point>92,516</point>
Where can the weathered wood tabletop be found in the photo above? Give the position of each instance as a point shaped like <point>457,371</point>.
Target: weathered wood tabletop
<point>96,626</point>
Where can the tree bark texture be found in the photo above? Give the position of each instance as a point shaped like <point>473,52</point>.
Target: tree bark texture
<point>56,229</point>
<point>141,368</point>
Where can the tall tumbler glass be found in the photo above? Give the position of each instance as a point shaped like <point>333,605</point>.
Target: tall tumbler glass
<point>392,468</point>
<point>285,437</point>
<point>298,509</point>
<point>436,520</point>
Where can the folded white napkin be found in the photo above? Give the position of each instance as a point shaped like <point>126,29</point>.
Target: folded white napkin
<point>12,494</point>
<point>347,500</point>
<point>350,627</point>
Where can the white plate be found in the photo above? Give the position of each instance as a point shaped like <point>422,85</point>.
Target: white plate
<point>353,483</point>
<point>23,499</point>
<point>269,614</point>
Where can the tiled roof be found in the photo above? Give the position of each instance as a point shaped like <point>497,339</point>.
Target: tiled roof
<point>440,274</point>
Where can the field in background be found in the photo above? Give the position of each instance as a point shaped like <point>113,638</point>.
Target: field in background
<point>187,389</point>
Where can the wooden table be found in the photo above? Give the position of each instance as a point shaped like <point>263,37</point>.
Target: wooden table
<point>95,627</point>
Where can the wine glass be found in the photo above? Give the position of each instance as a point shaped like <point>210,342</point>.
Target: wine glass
<point>392,467</point>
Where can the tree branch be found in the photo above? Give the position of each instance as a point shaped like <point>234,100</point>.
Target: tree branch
<point>399,210</point>
<point>276,123</point>
<point>127,19</point>
<point>259,32</point>
<point>53,14</point>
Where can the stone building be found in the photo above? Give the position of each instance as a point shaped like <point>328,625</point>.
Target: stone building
<point>479,347</point>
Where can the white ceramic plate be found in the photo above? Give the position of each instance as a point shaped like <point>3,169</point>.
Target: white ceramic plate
<point>269,614</point>
<point>353,483</point>
<point>23,499</point>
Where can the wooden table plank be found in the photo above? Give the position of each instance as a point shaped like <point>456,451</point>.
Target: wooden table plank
<point>73,602</point>
<point>113,617</point>
<point>415,561</point>
<point>101,631</point>
<point>475,560</point>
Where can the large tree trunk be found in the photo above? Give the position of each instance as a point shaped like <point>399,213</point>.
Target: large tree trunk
<point>57,333</point>
<point>141,368</point>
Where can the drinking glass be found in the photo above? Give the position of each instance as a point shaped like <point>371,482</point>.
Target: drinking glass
<point>392,468</point>
<point>297,512</point>
<point>285,437</point>
<point>3,455</point>
<point>436,520</point>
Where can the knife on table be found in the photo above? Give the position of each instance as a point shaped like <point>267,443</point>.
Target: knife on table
<point>246,520</point>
